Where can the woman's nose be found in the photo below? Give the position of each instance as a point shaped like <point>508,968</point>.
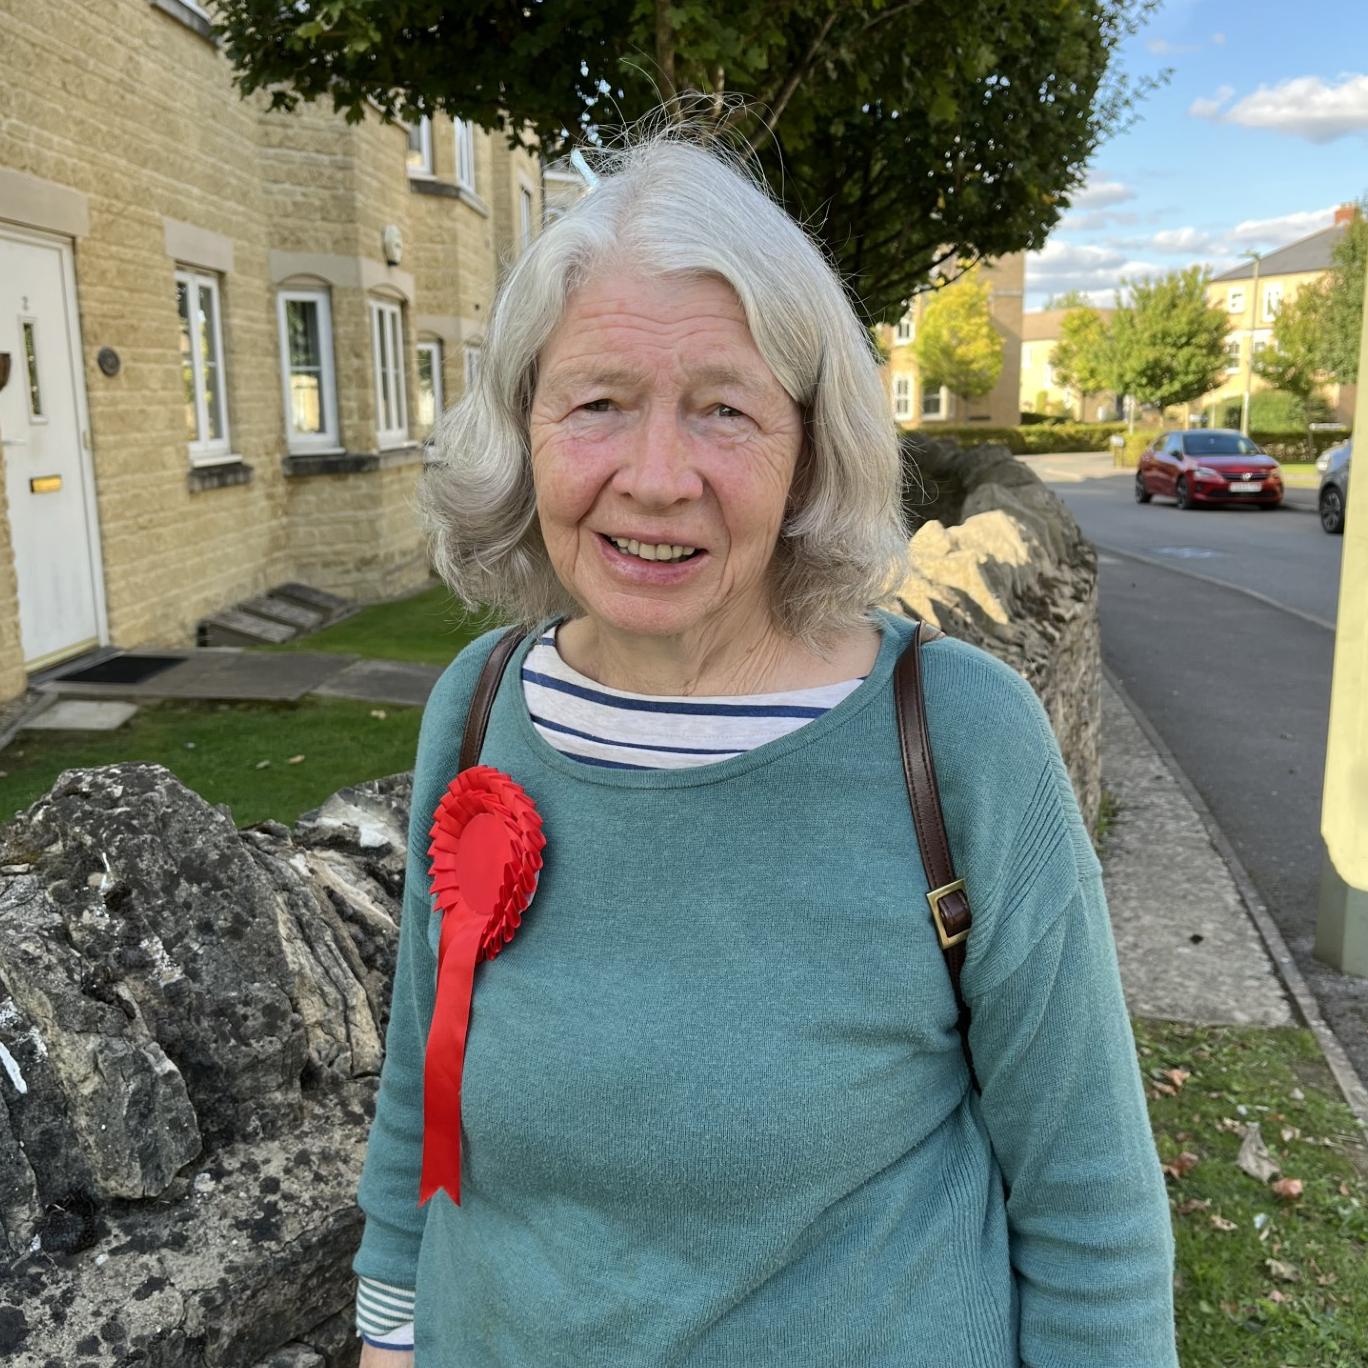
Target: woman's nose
<point>658,468</point>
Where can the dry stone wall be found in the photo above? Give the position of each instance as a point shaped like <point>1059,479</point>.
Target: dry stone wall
<point>999,561</point>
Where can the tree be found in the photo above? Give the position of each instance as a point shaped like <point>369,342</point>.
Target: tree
<point>957,345</point>
<point>1343,307</point>
<point>1070,299</point>
<point>1296,362</point>
<point>907,133</point>
<point>1082,358</point>
<point>1168,343</point>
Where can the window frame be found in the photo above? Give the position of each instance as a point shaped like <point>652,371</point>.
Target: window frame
<point>33,372</point>
<point>1234,355</point>
<point>904,330</point>
<point>1235,299</point>
<point>328,439</point>
<point>427,168</point>
<point>465,154</point>
<point>902,396</point>
<point>432,345</point>
<point>387,336</point>
<point>213,450</point>
<point>942,396</point>
<point>1271,302</point>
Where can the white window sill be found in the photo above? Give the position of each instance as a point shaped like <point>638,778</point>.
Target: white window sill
<point>206,458</point>
<point>314,449</point>
<point>393,442</point>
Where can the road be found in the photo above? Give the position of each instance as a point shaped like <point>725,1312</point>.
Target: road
<point>1219,623</point>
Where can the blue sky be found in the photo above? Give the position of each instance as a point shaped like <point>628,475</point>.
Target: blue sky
<point>1261,130</point>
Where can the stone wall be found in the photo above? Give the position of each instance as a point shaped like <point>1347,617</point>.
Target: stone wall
<point>191,1028</point>
<point>999,560</point>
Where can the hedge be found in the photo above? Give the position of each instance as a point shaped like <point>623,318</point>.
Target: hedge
<point>1028,439</point>
<point>1284,446</point>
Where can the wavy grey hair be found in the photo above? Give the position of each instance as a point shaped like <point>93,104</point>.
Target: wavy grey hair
<point>669,204</point>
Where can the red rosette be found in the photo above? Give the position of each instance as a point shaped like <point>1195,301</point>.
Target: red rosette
<point>486,857</point>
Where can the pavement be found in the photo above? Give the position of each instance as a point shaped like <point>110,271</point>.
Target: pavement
<point>1193,940</point>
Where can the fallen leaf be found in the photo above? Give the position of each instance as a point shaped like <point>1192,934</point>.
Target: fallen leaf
<point>1254,1158</point>
<point>1177,1076</point>
<point>1221,1223</point>
<point>1344,1189</point>
<point>1297,1095</point>
<point>1276,1296</point>
<point>1289,1133</point>
<point>1163,1088</point>
<point>263,764</point>
<point>1328,1279</point>
<point>379,714</point>
<point>295,760</point>
<point>1182,1165</point>
<point>1288,1188</point>
<point>1284,1272</point>
<point>1194,1204</point>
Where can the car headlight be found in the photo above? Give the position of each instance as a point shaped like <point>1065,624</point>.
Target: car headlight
<point>1206,473</point>
<point>1323,462</point>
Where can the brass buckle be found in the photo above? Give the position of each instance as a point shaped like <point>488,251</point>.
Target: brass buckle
<point>934,898</point>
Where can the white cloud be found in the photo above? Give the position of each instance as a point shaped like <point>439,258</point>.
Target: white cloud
<point>1161,47</point>
<point>1202,108</point>
<point>1185,240</point>
<point>1094,268</point>
<point>1101,193</point>
<point>1305,107</point>
<point>1278,232</point>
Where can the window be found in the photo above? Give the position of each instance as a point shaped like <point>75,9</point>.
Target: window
<point>201,351</point>
<point>1235,301</point>
<point>420,147</point>
<point>525,215</point>
<point>306,353</point>
<point>465,155</point>
<point>902,397</point>
<point>1272,302</point>
<point>35,394</point>
<point>429,384</point>
<point>1260,344</point>
<point>387,344</point>
<point>1233,354</point>
<point>933,403</point>
<point>472,364</point>
<point>904,332</point>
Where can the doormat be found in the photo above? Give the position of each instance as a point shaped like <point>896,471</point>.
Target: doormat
<point>122,669</point>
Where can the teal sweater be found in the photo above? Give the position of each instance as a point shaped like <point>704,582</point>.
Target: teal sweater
<point>715,1109</point>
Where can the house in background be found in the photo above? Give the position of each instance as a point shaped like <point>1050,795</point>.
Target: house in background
<point>1252,306</point>
<point>228,330</point>
<point>915,405</point>
<point>1040,390</point>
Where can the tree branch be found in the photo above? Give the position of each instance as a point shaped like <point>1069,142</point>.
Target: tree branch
<point>665,55</point>
<point>791,83</point>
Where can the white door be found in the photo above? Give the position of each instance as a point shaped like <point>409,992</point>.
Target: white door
<point>51,515</point>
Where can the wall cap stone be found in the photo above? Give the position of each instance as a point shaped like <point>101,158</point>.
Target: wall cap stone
<point>197,246</point>
<point>221,476</point>
<point>33,202</point>
<point>298,464</point>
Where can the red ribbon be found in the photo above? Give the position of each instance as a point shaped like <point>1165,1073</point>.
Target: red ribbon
<point>486,855</point>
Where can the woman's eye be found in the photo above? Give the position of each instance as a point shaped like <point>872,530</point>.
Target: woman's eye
<point>727,411</point>
<point>598,405</point>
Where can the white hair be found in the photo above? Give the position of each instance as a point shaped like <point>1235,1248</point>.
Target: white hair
<point>669,205</point>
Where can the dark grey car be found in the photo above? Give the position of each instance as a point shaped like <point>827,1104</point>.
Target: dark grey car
<point>1333,464</point>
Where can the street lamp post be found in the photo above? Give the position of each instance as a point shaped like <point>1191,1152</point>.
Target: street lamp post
<point>1249,355</point>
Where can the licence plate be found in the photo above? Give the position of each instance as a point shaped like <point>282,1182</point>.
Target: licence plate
<point>1248,487</point>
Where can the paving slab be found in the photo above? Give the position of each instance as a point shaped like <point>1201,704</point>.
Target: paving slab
<point>81,714</point>
<point>383,681</point>
<point>225,675</point>
<point>1187,947</point>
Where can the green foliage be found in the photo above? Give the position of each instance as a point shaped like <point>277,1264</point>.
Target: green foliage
<point>1168,343</point>
<point>1296,361</point>
<point>1136,442</point>
<point>1029,439</point>
<point>957,345</point>
<point>1070,299</point>
<point>1343,307</point>
<point>1082,358</point>
<point>907,134</point>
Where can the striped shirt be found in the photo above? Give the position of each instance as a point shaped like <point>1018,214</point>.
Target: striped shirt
<point>601,726</point>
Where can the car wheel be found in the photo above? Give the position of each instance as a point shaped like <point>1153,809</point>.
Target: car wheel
<point>1142,495</point>
<point>1332,509</point>
<point>1183,493</point>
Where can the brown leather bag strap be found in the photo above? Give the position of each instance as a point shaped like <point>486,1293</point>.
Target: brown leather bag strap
<point>482,700</point>
<point>950,913</point>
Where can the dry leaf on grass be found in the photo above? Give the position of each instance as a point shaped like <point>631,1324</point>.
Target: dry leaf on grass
<point>1284,1272</point>
<point>1288,1188</point>
<point>1221,1223</point>
<point>1194,1204</point>
<point>295,760</point>
<point>1254,1157</point>
<point>1177,1076</point>
<point>1182,1165</point>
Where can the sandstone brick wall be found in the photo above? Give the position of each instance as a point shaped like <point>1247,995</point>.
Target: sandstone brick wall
<point>134,108</point>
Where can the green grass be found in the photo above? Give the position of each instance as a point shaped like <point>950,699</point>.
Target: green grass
<point>1108,809</point>
<point>429,627</point>
<point>217,749</point>
<point>1311,1311</point>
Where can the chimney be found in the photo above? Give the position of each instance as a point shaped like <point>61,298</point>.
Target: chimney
<point>1346,213</point>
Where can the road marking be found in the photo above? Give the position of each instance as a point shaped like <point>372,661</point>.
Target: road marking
<point>1187,552</point>
<point>1219,583</point>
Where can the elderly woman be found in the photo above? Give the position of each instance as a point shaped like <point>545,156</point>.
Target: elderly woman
<point>715,1107</point>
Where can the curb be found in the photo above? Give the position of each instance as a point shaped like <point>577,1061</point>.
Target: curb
<point>1304,1004</point>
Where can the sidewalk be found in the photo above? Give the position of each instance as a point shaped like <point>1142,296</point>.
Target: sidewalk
<point>1193,942</point>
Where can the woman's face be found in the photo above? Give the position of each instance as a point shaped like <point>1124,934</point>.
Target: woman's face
<point>656,422</point>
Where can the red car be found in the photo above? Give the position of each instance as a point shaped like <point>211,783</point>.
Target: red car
<point>1208,466</point>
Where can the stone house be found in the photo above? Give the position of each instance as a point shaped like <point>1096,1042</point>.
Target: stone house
<point>1253,304</point>
<point>915,405</point>
<point>227,330</point>
<point>1040,390</point>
